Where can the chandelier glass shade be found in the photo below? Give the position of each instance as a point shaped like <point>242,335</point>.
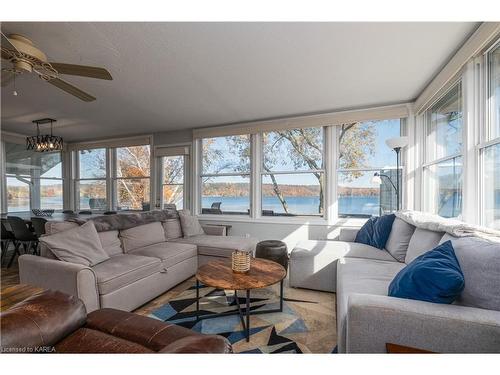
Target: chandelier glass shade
<point>44,142</point>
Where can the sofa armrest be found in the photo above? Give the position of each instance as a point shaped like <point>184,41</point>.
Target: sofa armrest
<point>373,321</point>
<point>214,230</point>
<point>40,320</point>
<point>69,278</point>
<point>348,234</point>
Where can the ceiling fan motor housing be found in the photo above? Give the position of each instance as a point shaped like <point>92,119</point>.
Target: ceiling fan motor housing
<point>27,55</point>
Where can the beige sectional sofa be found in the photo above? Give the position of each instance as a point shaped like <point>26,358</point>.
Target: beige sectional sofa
<point>145,260</point>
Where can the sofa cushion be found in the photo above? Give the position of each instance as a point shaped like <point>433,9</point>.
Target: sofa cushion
<point>434,276</point>
<point>421,241</point>
<point>172,229</point>
<point>80,245</point>
<point>125,269</point>
<point>364,276</point>
<point>399,239</point>
<point>110,242</point>
<point>376,231</point>
<point>142,235</point>
<point>190,224</point>
<point>338,249</point>
<point>219,246</point>
<point>52,227</point>
<point>480,263</point>
<point>170,253</point>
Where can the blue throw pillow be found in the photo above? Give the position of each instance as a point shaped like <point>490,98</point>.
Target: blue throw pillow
<point>376,231</point>
<point>433,277</point>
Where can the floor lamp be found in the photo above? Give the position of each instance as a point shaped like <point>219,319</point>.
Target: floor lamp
<point>396,144</point>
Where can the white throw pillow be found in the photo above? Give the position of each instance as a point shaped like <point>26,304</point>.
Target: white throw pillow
<point>190,224</point>
<point>80,245</point>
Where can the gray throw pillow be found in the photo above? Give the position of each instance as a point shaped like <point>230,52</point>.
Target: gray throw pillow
<point>480,263</point>
<point>172,228</point>
<point>422,241</point>
<point>190,224</point>
<point>80,245</point>
<point>399,239</point>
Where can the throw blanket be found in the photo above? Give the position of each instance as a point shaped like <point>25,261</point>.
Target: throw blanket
<point>454,227</point>
<point>130,220</point>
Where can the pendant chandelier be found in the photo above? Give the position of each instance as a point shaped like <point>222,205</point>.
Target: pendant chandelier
<point>44,142</point>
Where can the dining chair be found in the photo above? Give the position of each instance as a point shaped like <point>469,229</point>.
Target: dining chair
<point>68,212</point>
<point>38,225</point>
<point>7,238</point>
<point>23,236</point>
<point>110,213</point>
<point>85,212</point>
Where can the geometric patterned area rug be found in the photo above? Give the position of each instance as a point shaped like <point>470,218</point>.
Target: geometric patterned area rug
<point>281,332</point>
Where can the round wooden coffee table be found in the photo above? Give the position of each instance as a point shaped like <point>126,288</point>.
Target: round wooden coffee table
<point>218,274</point>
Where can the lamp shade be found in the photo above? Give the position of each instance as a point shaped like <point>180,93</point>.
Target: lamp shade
<point>376,180</point>
<point>397,142</point>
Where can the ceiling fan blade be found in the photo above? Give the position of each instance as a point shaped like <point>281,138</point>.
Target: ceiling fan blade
<point>6,42</point>
<point>70,89</point>
<point>82,70</point>
<point>7,77</point>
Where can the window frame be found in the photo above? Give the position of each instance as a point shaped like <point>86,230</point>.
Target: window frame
<point>77,179</point>
<point>33,187</point>
<point>185,180</point>
<point>485,139</point>
<point>427,164</point>
<point>115,178</point>
<point>262,172</point>
<point>201,175</point>
<point>402,167</point>
<point>110,147</point>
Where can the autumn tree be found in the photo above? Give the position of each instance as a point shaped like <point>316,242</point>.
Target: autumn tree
<point>133,166</point>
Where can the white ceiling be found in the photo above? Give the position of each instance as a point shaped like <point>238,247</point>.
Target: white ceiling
<point>170,76</point>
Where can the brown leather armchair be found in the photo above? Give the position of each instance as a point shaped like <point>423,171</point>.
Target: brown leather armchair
<point>56,322</point>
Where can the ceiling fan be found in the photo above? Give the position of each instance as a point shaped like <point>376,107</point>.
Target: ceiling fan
<point>26,58</point>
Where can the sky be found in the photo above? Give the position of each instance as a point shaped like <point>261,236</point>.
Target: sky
<point>383,157</point>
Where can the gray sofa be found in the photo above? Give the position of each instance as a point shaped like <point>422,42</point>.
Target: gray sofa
<point>368,319</point>
<point>148,256</point>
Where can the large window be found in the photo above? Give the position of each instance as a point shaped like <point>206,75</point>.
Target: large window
<point>490,151</point>
<point>362,153</point>
<point>132,178</point>
<point>292,172</point>
<point>443,155</point>
<point>91,182</point>
<point>225,175</point>
<point>34,179</point>
<point>493,59</point>
<point>172,187</point>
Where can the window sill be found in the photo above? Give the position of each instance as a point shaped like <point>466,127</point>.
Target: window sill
<point>316,221</point>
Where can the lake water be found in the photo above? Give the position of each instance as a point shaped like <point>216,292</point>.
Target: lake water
<point>359,205</point>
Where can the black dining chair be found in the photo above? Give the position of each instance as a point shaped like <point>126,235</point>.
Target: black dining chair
<point>68,212</point>
<point>7,238</point>
<point>38,224</point>
<point>110,213</point>
<point>85,212</point>
<point>23,237</point>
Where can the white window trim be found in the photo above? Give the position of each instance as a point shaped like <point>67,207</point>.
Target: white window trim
<point>110,145</point>
<point>331,147</point>
<point>34,190</point>
<point>427,204</point>
<point>260,171</point>
<point>160,151</point>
